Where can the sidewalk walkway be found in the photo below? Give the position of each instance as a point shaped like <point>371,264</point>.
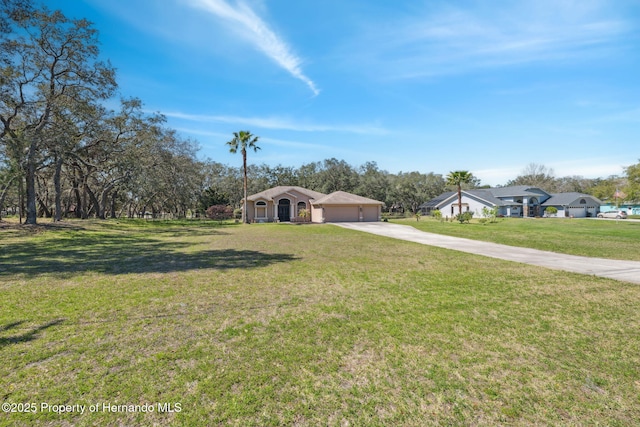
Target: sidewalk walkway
<point>628,271</point>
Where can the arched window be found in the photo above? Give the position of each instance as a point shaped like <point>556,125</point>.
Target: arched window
<point>300,206</point>
<point>261,209</point>
<point>583,202</point>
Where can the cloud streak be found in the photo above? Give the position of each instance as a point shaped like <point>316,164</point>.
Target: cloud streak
<point>454,41</point>
<point>277,123</point>
<point>257,32</point>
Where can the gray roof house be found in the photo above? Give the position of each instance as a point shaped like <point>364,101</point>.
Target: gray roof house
<point>576,205</point>
<point>514,201</point>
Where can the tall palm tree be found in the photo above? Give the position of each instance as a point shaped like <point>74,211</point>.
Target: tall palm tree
<point>241,141</point>
<point>458,178</point>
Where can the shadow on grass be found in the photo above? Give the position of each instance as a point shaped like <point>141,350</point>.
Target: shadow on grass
<point>122,254</point>
<point>27,336</point>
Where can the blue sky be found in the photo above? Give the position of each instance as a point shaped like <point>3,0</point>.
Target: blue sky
<point>426,85</point>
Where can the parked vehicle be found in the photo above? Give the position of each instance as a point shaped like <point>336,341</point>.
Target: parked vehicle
<point>613,214</point>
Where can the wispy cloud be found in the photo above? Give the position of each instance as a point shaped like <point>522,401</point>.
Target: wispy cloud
<point>455,40</point>
<point>277,123</point>
<point>258,33</point>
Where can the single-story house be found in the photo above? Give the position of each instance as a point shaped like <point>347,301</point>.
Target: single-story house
<point>286,203</point>
<point>513,201</point>
<point>574,205</point>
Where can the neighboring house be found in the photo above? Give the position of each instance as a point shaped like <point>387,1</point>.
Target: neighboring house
<point>514,201</point>
<point>284,204</point>
<point>575,205</point>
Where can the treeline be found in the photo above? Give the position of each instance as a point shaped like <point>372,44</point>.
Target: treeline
<point>401,192</point>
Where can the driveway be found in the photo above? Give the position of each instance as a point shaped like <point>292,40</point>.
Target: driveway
<point>628,271</point>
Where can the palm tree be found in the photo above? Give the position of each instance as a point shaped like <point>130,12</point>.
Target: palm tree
<point>243,140</point>
<point>458,178</point>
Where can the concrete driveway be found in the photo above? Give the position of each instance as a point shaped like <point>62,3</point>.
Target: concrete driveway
<point>628,271</point>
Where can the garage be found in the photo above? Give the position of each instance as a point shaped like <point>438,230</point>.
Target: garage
<point>341,206</point>
<point>340,213</point>
<point>371,213</point>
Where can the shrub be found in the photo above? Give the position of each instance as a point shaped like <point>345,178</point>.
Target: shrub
<point>490,214</point>
<point>464,217</point>
<point>551,211</point>
<point>437,215</point>
<point>220,212</point>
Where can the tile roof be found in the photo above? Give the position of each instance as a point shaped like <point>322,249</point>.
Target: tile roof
<point>282,189</point>
<point>344,198</point>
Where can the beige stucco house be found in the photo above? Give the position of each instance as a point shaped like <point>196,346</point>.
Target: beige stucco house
<point>284,204</point>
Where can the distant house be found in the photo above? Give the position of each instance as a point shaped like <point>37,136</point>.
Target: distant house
<point>285,204</point>
<point>575,205</point>
<point>514,201</point>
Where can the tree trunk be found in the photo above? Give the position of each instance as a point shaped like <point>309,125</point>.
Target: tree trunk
<point>94,201</point>
<point>30,181</point>
<point>245,217</point>
<point>113,203</point>
<point>102,208</point>
<point>79,206</point>
<point>58,189</point>
<point>459,199</point>
<point>5,190</point>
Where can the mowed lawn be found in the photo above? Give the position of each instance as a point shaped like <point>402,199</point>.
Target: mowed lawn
<point>601,238</point>
<point>303,325</point>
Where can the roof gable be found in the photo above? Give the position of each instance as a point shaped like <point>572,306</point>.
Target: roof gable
<point>433,203</point>
<point>566,199</point>
<point>271,193</point>
<point>517,191</point>
<point>344,198</point>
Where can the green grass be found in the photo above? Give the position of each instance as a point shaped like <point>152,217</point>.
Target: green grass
<point>594,238</point>
<point>304,325</point>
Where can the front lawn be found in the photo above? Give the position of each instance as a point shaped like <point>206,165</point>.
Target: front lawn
<point>586,237</point>
<point>302,325</point>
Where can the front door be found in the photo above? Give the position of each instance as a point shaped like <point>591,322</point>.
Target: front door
<point>284,211</point>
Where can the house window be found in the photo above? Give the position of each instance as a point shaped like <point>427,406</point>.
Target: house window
<point>261,209</point>
<point>583,202</point>
<point>300,206</point>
